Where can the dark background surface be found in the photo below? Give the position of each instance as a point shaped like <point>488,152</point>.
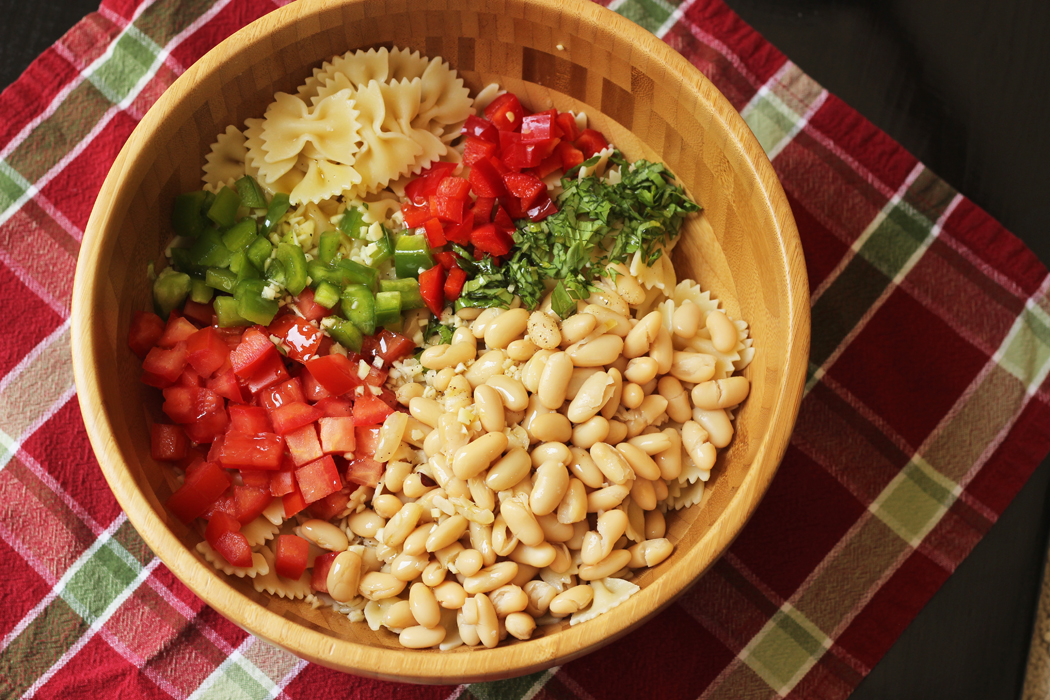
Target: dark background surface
<point>965,86</point>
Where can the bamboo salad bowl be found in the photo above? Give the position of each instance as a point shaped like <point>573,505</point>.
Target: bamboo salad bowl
<point>567,54</point>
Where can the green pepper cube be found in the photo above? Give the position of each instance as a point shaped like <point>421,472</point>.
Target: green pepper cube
<point>200,292</point>
<point>240,235</point>
<point>252,305</point>
<point>278,207</point>
<point>352,223</point>
<point>409,290</point>
<point>384,249</point>
<point>329,244</point>
<point>186,217</point>
<point>345,333</point>
<point>226,312</point>
<point>223,211</point>
<point>223,280</point>
<point>411,256</point>
<point>259,252</point>
<point>243,268</point>
<point>170,290</point>
<point>181,261</point>
<point>359,307</point>
<point>251,194</point>
<point>327,295</point>
<point>210,251</point>
<point>356,273</point>
<point>388,308</point>
<point>293,260</point>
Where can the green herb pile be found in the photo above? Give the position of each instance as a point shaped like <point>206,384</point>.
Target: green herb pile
<point>597,225</point>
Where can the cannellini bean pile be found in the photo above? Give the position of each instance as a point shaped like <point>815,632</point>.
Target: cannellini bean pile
<point>548,449</point>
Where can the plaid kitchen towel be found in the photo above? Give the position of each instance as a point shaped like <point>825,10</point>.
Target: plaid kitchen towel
<point>926,408</point>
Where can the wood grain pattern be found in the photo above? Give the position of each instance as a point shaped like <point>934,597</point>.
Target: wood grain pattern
<point>638,91</point>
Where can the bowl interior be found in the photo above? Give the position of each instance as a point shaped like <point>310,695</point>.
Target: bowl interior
<point>571,55</point>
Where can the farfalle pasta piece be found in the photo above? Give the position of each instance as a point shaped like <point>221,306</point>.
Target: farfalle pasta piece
<point>324,179</point>
<point>224,164</point>
<point>608,593</point>
<point>688,495</point>
<point>259,564</point>
<point>405,63</point>
<point>356,68</point>
<point>256,166</point>
<point>259,530</point>
<point>275,584</point>
<point>330,127</point>
<point>387,151</point>
<point>445,100</point>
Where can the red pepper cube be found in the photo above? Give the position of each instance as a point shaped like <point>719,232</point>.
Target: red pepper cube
<point>319,577</point>
<point>208,427</point>
<point>287,392</point>
<point>570,156</point>
<point>249,419</point>
<point>543,208</point>
<point>526,187</point>
<point>255,347</point>
<point>176,331</point>
<point>290,556</point>
<point>168,442</point>
<point>476,127</point>
<point>419,190</point>
<point>282,483</point>
<point>200,490</point>
<point>454,283</point>
<point>300,337</point>
<point>250,502</point>
<point>270,372</point>
<point>318,479</point>
<point>202,314</point>
<point>477,149</point>
<point>225,384</point>
<point>486,180</point>
<point>446,208</point>
<point>336,407</point>
<point>310,309</point>
<point>415,215</point>
<point>370,410</point>
<point>293,416</point>
<point>312,389</point>
<point>502,219</point>
<point>454,187</point>
<point>331,505</point>
<point>293,501</point>
<point>491,240</point>
<point>206,351</point>
<point>145,332</point>
<point>567,124</point>
<point>218,524</point>
<point>505,112</point>
<point>366,437</point>
<point>258,478</point>
<point>392,346</point>
<point>234,548</point>
<point>335,373</point>
<point>166,363</point>
<point>460,233</point>
<point>537,128</point>
<point>184,404</point>
<point>303,445</point>
<point>446,258</point>
<point>365,471</point>
<point>435,234</point>
<point>484,208</point>
<point>431,288</point>
<point>255,450</point>
<point>337,434</point>
<point>591,142</point>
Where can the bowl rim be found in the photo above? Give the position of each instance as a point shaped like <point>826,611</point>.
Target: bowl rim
<point>402,664</point>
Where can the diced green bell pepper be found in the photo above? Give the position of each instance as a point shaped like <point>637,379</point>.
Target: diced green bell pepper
<point>223,211</point>
<point>275,272</point>
<point>209,251</point>
<point>223,280</point>
<point>251,304</point>
<point>240,235</point>
<point>242,267</point>
<point>359,306</point>
<point>352,223</point>
<point>259,252</point>
<point>293,260</point>
<point>170,290</point>
<point>251,194</point>
<point>346,334</point>
<point>278,207</point>
<point>327,295</point>
<point>384,249</point>
<point>411,256</point>
<point>329,245</point>
<point>186,216</point>
<point>388,308</point>
<point>409,290</point>
<point>180,260</point>
<point>226,311</point>
<point>200,292</point>
<point>341,273</point>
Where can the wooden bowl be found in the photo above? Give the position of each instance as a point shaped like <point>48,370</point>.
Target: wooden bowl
<point>570,54</point>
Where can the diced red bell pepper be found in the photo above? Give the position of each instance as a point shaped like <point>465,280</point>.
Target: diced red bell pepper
<point>570,156</point>
<point>318,479</point>
<point>331,505</point>
<point>539,127</point>
<point>303,445</point>
<point>293,501</point>
<point>185,405</point>
<point>270,372</point>
<point>337,434</point>
<point>259,478</point>
<point>365,471</point>
<point>567,124</point>
<point>498,165</point>
<point>282,482</point>
<point>590,142</point>
<point>454,187</point>
<point>370,410</point>
<point>203,314</point>
<point>476,127</point>
<point>419,190</point>
<point>434,233</point>
<point>166,363</point>
<point>543,208</point>
<point>250,502</point>
<point>478,149</point>
<point>218,523</point>
<point>414,215</point>
<point>486,180</point>
<point>454,283</point>
<point>446,258</point>
<point>336,407</point>
<point>234,548</point>
<point>518,155</point>
<point>312,389</point>
<point>300,337</point>
<point>392,346</point>
<point>483,210</point>
<point>177,330</point>
<point>319,576</point>
<point>460,233</point>
<point>225,384</point>
<point>503,220</point>
<point>489,239</point>
<point>513,206</point>
<point>526,187</point>
<point>206,351</point>
<point>431,288</point>
<point>292,416</point>
<point>189,378</point>
<point>505,112</point>
<point>549,165</point>
<point>145,332</point>
<point>366,437</point>
<point>249,419</point>
<point>335,373</point>
<point>208,427</point>
<point>232,336</point>
<point>274,397</point>
<point>254,349</point>
<point>446,208</point>
<point>168,442</point>
<point>310,309</point>
<point>200,490</point>
<point>215,450</point>
<point>290,556</point>
<point>255,450</point>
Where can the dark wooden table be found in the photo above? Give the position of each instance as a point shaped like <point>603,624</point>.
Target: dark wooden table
<point>965,86</point>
